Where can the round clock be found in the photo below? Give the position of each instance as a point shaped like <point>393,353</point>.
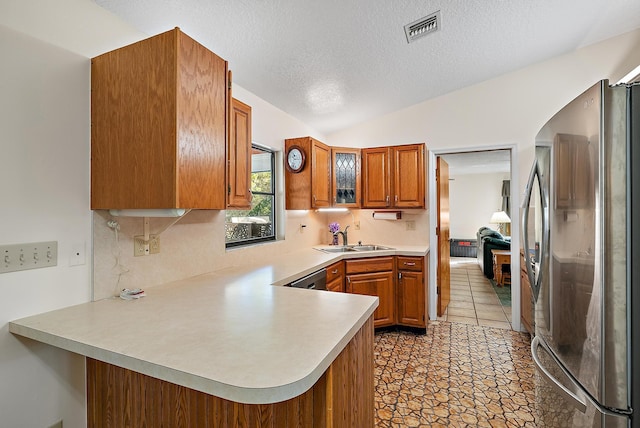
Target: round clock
<point>295,159</point>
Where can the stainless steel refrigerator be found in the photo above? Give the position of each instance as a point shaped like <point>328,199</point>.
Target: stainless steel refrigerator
<point>581,227</point>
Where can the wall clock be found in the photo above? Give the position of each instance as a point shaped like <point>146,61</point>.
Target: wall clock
<point>295,159</point>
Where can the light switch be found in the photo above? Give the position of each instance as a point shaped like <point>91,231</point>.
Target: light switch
<point>33,255</point>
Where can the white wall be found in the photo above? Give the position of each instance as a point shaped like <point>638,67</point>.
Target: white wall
<point>44,184</point>
<point>472,200</point>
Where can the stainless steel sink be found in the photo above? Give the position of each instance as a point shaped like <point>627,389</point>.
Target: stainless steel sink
<point>337,249</point>
<point>350,248</point>
<point>370,248</point>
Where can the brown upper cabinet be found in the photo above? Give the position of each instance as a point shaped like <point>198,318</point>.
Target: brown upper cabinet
<point>393,177</point>
<point>159,118</point>
<point>239,157</point>
<point>345,177</point>
<point>310,186</point>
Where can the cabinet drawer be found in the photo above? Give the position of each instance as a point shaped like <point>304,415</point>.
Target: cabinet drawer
<point>410,263</point>
<point>376,264</point>
<point>334,271</point>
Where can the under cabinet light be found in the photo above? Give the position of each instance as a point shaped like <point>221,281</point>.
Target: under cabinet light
<point>170,212</point>
<point>332,210</point>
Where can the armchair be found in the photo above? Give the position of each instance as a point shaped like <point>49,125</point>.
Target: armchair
<point>488,240</point>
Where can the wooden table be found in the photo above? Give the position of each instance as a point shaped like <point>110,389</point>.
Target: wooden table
<point>500,257</point>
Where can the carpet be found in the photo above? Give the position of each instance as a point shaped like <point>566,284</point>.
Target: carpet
<point>504,293</point>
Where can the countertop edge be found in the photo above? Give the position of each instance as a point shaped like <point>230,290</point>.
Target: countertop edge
<point>209,386</point>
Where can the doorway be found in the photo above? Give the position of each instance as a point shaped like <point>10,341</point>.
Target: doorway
<point>476,161</point>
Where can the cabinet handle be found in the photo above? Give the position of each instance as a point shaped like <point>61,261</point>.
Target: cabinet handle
<point>334,271</point>
<point>314,199</point>
<point>400,276</point>
<point>387,200</point>
<point>409,263</point>
<point>396,199</point>
<point>349,280</point>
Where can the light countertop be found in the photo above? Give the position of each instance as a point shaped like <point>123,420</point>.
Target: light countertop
<point>227,333</point>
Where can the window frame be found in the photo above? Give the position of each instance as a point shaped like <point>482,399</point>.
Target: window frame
<point>273,236</point>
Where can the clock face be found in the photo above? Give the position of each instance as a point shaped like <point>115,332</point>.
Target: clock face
<point>295,159</point>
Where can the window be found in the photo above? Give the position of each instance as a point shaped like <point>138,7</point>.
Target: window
<point>257,224</point>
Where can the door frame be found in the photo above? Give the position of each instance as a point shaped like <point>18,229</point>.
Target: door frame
<point>515,227</point>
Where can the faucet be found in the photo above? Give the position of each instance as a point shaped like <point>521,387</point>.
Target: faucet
<point>345,241</point>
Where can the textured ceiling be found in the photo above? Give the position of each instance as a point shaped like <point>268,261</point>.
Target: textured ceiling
<point>335,63</point>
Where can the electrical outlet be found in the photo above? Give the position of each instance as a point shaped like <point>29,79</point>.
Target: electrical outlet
<point>28,256</point>
<point>411,225</point>
<point>154,244</point>
<point>356,225</point>
<point>144,248</point>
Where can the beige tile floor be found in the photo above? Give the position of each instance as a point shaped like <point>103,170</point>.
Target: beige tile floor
<point>473,300</point>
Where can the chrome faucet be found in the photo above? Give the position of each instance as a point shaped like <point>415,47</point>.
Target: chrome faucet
<point>345,241</point>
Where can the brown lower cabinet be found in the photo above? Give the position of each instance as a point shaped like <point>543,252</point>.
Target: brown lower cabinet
<point>335,277</point>
<point>341,398</point>
<point>526,298</point>
<point>399,283</point>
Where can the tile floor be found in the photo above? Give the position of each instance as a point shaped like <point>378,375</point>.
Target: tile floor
<point>456,375</point>
<point>473,300</point>
<point>469,370</point>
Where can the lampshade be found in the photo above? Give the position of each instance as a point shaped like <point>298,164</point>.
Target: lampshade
<point>499,217</point>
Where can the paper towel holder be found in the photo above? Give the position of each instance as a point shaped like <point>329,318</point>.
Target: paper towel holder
<point>387,215</point>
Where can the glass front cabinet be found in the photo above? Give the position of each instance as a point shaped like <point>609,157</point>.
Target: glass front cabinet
<point>345,177</point>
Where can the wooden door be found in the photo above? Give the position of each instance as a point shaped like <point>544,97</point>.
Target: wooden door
<point>376,178</point>
<point>320,175</point>
<point>376,284</point>
<point>444,269</point>
<point>408,176</point>
<point>239,157</point>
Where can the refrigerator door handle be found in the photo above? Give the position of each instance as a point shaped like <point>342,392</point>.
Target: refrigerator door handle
<point>578,402</point>
<point>535,282</point>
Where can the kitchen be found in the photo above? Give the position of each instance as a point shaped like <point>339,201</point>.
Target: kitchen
<point>52,203</point>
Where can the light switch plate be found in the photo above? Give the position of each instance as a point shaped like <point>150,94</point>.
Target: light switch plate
<point>33,255</point>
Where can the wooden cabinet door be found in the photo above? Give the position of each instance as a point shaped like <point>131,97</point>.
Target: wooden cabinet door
<point>345,177</point>
<point>410,295</point>
<point>408,176</point>
<point>335,277</point>
<point>239,157</point>
<point>379,284</point>
<point>376,177</point>
<point>526,302</point>
<point>159,125</point>
<point>320,175</point>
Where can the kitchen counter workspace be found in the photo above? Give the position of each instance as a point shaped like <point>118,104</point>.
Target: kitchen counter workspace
<point>228,333</point>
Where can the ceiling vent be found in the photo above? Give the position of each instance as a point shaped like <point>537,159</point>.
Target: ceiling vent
<point>422,27</point>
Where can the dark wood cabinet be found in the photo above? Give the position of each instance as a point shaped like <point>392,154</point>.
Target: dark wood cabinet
<point>159,118</point>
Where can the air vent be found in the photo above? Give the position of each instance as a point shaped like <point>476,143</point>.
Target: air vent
<point>422,27</point>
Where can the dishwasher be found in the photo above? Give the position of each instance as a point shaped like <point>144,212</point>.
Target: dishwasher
<point>313,281</point>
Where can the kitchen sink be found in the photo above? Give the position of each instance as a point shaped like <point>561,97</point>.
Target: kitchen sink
<point>351,248</point>
<point>337,249</point>
<point>370,248</point>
